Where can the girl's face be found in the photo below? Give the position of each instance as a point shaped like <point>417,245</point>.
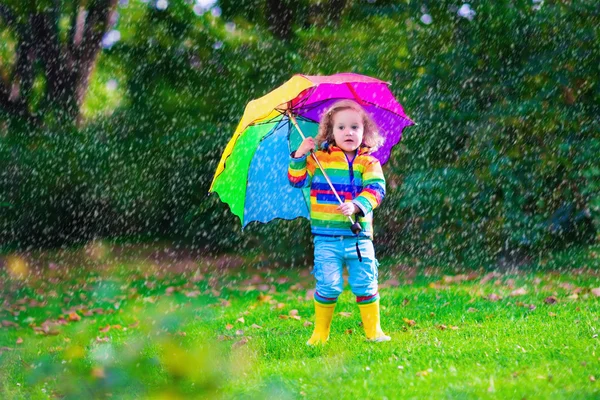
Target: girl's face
<point>348,130</point>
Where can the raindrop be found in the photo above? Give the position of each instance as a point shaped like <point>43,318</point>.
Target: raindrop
<point>111,38</point>
<point>111,85</point>
<point>198,9</point>
<point>162,4</point>
<point>465,11</point>
<point>230,27</point>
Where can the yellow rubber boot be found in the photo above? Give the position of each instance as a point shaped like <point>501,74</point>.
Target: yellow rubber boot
<point>323,317</point>
<point>370,319</point>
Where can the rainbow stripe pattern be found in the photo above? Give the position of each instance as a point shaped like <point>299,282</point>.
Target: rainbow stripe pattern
<point>360,181</point>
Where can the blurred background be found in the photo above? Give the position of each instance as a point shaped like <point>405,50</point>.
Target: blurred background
<point>114,115</point>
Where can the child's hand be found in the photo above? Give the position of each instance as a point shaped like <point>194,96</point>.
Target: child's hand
<point>348,209</point>
<point>306,147</point>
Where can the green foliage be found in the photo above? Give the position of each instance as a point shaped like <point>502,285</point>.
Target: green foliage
<point>503,159</point>
<point>508,98</point>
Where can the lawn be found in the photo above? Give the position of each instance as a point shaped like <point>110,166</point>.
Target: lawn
<point>98,322</point>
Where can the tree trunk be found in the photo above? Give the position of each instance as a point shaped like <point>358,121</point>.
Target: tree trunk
<point>66,67</point>
<point>280,17</point>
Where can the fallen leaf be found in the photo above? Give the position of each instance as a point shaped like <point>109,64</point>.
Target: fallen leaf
<point>240,343</point>
<point>518,292</point>
<point>225,303</point>
<point>442,327</point>
<point>489,276</point>
<point>256,326</point>
<point>264,297</point>
<point>493,297</point>
<point>307,323</point>
<point>596,292</point>
<point>471,309</point>
<point>105,329</point>
<point>19,341</point>
<point>567,286</point>
<point>8,323</point>
<point>550,300</point>
<point>409,322</point>
<point>263,287</point>
<point>74,317</point>
<point>229,327</point>
<point>241,320</point>
<point>345,314</point>
<point>348,331</point>
<point>239,332</point>
<point>169,290</point>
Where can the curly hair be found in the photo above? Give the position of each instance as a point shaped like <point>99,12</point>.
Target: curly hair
<point>371,137</point>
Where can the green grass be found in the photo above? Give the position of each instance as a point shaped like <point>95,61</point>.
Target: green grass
<point>176,331</point>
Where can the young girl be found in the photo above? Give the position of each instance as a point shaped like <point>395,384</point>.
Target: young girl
<point>347,135</point>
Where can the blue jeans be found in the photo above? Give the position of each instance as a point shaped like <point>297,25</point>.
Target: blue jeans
<point>331,254</point>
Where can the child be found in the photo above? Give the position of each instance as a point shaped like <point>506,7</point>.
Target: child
<point>346,137</point>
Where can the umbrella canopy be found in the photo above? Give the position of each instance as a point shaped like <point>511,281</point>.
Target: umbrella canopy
<point>252,174</point>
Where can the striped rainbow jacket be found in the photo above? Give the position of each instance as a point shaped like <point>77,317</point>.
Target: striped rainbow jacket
<point>360,181</point>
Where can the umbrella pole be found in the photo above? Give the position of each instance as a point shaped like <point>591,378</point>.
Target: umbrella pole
<point>356,228</point>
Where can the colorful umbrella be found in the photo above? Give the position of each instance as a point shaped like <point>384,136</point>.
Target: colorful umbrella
<point>252,174</point>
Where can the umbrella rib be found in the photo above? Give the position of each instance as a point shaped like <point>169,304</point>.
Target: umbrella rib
<point>264,122</point>
<point>279,125</point>
<point>305,99</point>
<point>388,110</point>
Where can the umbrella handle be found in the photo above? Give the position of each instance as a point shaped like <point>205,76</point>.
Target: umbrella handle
<point>356,228</point>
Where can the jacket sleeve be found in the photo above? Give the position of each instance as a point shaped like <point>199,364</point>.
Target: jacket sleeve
<point>301,171</point>
<point>373,188</point>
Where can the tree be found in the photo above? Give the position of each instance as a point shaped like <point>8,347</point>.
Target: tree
<point>61,55</point>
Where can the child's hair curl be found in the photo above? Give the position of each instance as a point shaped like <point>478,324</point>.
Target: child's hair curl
<point>371,137</point>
